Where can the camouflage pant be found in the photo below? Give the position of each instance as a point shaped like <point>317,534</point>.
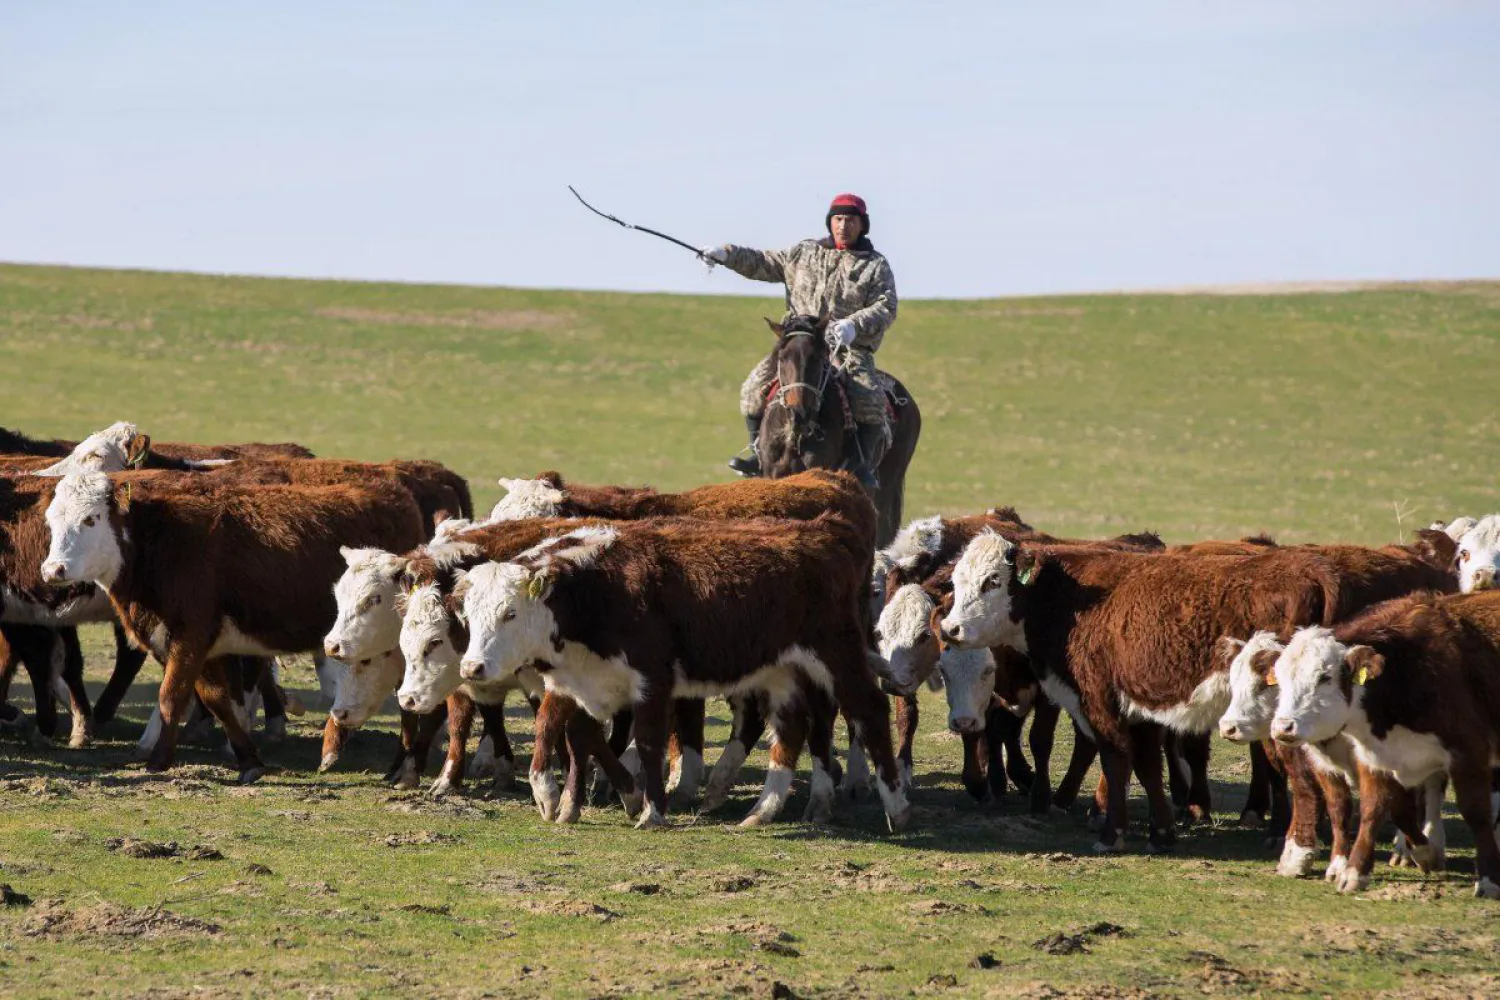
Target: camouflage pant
<point>866,398</point>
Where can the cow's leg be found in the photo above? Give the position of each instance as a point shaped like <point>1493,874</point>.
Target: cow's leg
<point>179,677</point>
<point>821,789</point>
<point>417,734</point>
<point>1179,775</point>
<point>9,714</point>
<point>907,719</point>
<point>687,743</point>
<point>975,754</point>
<point>1079,762</point>
<point>1379,797</point>
<point>551,731</point>
<point>273,702</point>
<point>1043,734</point>
<point>1339,800</point>
<point>334,738</point>
<point>504,768</point>
<point>789,725</point>
<point>1258,802</point>
<point>653,727</point>
<point>868,714</point>
<point>587,744</point>
<point>33,645</point>
<point>1472,788</point>
<point>1434,792</point>
<point>214,688</point>
<point>460,724</point>
<point>1276,782</point>
<point>128,662</point>
<point>1300,850</point>
<point>1100,805</point>
<point>620,729</point>
<point>1194,749</point>
<point>1114,761</point>
<point>856,779</point>
<point>68,661</point>
<point>402,770</point>
<point>1003,731</point>
<point>1146,757</point>
<point>749,722</point>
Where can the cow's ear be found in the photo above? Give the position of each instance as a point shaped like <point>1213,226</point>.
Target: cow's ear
<point>1227,648</point>
<point>1364,664</point>
<point>539,584</point>
<point>551,477</point>
<point>776,328</point>
<point>894,580</point>
<point>139,451</point>
<point>397,571</point>
<point>1436,548</point>
<point>348,554</point>
<point>1263,664</point>
<point>1027,563</point>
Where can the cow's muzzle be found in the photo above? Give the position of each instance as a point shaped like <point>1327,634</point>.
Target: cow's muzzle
<point>53,572</point>
<point>471,670</point>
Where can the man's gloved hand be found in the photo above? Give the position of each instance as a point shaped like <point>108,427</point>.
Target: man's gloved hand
<point>714,255</point>
<point>842,333</point>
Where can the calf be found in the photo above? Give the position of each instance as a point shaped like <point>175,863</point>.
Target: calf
<point>1479,555</point>
<point>1414,684</point>
<point>637,613</point>
<point>195,572</point>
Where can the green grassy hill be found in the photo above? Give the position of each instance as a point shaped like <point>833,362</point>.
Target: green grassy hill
<point>1350,416</point>
<point>1313,416</point>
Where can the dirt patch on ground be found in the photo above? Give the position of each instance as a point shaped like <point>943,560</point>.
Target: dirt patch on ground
<point>570,908</point>
<point>468,319</point>
<point>148,849</point>
<point>420,838</point>
<point>52,918</point>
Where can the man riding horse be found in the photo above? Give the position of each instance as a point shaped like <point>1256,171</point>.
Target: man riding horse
<point>843,279</point>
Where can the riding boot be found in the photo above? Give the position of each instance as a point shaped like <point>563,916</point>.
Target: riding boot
<point>740,463</point>
<point>871,438</point>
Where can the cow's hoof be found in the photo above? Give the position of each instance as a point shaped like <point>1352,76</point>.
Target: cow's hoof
<point>978,790</point>
<point>1336,868</point>
<point>568,810</point>
<point>1296,861</point>
<point>1095,820</point>
<point>632,803</point>
<point>713,798</point>
<point>652,820</point>
<point>1100,847</point>
<point>407,777</point>
<point>1351,880</point>
<point>326,764</point>
<point>1486,889</point>
<point>755,819</point>
<point>897,821</point>
<point>83,735</point>
<point>1251,818</point>
<point>440,788</point>
<point>294,706</point>
<point>251,775</point>
<point>482,764</point>
<point>1429,859</point>
<point>1161,842</point>
<point>275,731</point>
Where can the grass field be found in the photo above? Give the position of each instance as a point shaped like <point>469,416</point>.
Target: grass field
<point>1318,417</point>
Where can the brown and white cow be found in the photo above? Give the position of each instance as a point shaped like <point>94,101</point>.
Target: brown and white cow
<point>1414,684</point>
<point>638,613</point>
<point>197,572</point>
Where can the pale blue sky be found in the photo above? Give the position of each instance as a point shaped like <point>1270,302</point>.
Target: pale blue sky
<point>1004,148</point>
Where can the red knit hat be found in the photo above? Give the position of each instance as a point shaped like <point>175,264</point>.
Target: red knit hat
<point>848,204</point>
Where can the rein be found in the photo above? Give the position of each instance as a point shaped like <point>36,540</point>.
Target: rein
<point>779,399</point>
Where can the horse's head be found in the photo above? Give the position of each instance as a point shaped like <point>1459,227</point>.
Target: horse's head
<point>802,367</point>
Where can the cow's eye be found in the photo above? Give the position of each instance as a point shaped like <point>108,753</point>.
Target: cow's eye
<point>375,600</point>
<point>926,635</point>
<point>1325,678</point>
<point>89,521</point>
<point>509,614</point>
<point>1463,556</point>
<point>879,635</point>
<point>432,644</point>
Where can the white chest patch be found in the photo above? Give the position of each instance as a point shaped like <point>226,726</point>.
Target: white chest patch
<point>601,685</point>
<point>232,642</point>
<point>779,681</point>
<point>1199,714</point>
<point>1066,699</point>
<point>1411,756</point>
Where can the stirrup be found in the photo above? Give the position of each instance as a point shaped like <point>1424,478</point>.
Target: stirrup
<point>747,467</point>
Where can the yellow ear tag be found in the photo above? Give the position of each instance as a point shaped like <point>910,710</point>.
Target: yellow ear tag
<point>1025,578</point>
<point>1270,678</point>
<point>534,588</point>
<point>1361,676</point>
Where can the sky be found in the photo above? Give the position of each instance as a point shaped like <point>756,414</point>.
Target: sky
<point>1004,148</point>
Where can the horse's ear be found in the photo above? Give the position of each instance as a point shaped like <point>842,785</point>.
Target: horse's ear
<point>776,327</point>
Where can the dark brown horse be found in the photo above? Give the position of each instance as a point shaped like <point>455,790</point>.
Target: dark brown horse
<point>806,425</point>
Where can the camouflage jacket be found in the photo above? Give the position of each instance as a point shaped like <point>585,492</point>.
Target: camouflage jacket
<point>852,284</point>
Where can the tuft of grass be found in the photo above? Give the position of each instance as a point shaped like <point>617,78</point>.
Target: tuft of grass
<point>1308,415</point>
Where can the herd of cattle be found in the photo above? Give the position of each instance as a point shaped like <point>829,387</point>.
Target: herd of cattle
<point>1350,672</point>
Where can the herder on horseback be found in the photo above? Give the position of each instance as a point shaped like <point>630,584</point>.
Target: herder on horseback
<point>843,280</point>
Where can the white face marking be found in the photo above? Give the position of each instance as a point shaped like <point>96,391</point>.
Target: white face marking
<point>920,537</point>
<point>1455,528</point>
<point>1310,702</point>
<point>969,680</point>
<point>579,547</point>
<point>363,687</point>
<point>431,662</point>
<point>1252,702</point>
<point>905,638</point>
<point>527,498</point>
<point>508,627</point>
<point>1479,555</point>
<point>105,451</point>
<point>84,548</point>
<point>367,624</point>
<point>981,595</point>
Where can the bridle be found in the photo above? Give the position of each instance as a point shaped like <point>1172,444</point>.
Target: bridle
<point>779,399</point>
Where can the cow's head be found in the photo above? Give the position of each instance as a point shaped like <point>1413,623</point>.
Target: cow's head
<point>528,498</point>
<point>368,623</point>
<point>1319,685</point>
<point>983,582</point>
<point>969,680</point>
<point>1252,701</point>
<point>362,686</point>
<point>84,521</point>
<point>116,448</point>
<point>1479,555</point>
<point>429,648</point>
<point>907,639</point>
<point>510,624</point>
<point>1455,528</point>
